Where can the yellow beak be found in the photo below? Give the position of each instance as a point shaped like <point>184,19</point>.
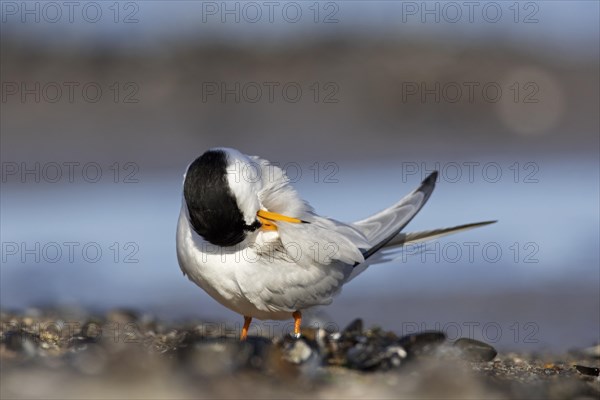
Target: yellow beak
<point>268,219</point>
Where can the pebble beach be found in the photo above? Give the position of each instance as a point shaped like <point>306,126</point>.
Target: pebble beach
<point>122,354</point>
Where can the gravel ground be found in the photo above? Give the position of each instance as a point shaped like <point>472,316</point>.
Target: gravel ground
<point>58,355</point>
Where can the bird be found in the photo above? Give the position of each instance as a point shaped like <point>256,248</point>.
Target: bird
<point>247,238</point>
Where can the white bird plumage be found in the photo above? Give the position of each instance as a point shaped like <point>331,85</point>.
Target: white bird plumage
<point>273,273</point>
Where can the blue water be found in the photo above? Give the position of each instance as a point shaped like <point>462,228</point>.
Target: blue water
<point>547,235</point>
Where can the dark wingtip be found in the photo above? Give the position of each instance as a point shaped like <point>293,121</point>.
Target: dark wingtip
<point>482,223</point>
<point>431,179</point>
<point>489,222</point>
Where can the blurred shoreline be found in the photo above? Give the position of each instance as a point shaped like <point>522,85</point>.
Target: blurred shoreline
<point>184,90</point>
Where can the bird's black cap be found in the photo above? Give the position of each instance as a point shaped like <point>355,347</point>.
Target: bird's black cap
<point>213,210</point>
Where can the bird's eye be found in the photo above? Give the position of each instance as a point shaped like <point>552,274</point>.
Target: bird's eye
<point>253,227</point>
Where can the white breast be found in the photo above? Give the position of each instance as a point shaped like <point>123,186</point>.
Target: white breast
<point>254,283</point>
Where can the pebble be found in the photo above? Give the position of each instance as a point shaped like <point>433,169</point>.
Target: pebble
<point>422,343</point>
<point>307,348</point>
<point>262,349</point>
<point>375,353</point>
<point>78,343</point>
<point>13,340</point>
<point>21,343</point>
<point>593,351</point>
<point>474,350</point>
<point>121,316</point>
<point>181,354</point>
<point>92,329</point>
<point>591,371</point>
<point>214,356</point>
<point>29,347</point>
<point>297,351</point>
<point>355,328</point>
<point>90,362</point>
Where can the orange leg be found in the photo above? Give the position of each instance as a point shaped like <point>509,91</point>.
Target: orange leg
<point>297,323</point>
<point>244,333</point>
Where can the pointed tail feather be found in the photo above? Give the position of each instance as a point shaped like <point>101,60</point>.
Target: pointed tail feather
<point>402,239</point>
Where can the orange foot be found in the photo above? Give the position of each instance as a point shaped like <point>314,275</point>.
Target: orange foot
<point>297,322</point>
<point>244,334</point>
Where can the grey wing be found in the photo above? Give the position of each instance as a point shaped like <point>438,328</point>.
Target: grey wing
<point>358,241</point>
<point>381,228</point>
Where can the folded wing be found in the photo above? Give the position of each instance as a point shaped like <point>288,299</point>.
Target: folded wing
<point>381,228</point>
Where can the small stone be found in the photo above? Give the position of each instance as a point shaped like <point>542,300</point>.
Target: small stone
<point>261,351</point>
<point>92,330</point>
<point>593,351</point>
<point>375,355</point>
<point>78,343</point>
<point>20,343</point>
<point>121,316</point>
<point>29,347</point>
<point>591,371</point>
<point>355,328</point>
<point>395,354</point>
<point>474,350</point>
<point>422,343</point>
<point>317,336</point>
<point>300,350</point>
<point>214,356</point>
<point>92,361</point>
<point>165,342</point>
<point>49,337</point>
<point>297,352</point>
<point>13,340</point>
<point>362,356</point>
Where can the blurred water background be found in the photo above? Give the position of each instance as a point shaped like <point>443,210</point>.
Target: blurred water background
<point>358,101</point>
